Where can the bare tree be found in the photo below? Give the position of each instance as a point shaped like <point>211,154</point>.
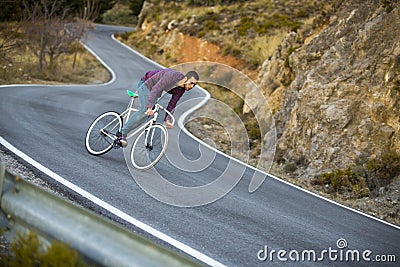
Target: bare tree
<point>9,38</point>
<point>88,14</point>
<point>46,31</point>
<point>91,11</point>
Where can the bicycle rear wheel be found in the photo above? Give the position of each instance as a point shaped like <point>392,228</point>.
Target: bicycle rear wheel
<point>101,133</point>
<point>149,147</point>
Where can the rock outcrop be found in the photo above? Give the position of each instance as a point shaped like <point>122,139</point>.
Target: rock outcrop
<point>335,97</point>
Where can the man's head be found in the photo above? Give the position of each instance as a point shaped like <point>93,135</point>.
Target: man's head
<point>192,78</point>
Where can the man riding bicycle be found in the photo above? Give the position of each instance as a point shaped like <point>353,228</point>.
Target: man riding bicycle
<point>150,88</point>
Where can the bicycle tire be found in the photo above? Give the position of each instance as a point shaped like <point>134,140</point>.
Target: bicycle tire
<point>96,142</point>
<point>149,147</point>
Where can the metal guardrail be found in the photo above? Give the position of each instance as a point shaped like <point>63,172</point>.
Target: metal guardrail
<point>28,206</point>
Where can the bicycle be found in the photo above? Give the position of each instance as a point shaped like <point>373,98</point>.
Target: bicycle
<point>148,147</point>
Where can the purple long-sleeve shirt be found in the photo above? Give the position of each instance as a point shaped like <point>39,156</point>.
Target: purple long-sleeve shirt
<point>158,81</point>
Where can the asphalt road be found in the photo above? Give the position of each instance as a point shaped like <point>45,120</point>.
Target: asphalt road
<point>49,123</point>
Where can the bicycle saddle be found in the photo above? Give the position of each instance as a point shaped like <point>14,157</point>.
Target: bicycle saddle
<point>131,94</point>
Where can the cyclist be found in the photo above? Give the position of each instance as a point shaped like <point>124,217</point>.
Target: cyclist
<point>150,88</point>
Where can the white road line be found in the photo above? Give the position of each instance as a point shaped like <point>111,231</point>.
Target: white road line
<point>177,244</point>
<point>112,73</point>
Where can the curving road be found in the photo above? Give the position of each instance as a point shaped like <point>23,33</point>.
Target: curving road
<point>48,125</point>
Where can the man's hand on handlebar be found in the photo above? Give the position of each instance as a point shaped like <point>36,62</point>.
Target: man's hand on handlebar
<point>169,124</point>
<point>149,112</point>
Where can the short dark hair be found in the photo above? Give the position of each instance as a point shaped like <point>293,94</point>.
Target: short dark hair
<point>193,74</point>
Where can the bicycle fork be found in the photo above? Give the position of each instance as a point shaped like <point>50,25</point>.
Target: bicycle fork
<point>150,132</point>
<point>149,138</point>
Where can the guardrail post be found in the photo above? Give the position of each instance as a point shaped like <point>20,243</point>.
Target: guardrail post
<point>2,176</point>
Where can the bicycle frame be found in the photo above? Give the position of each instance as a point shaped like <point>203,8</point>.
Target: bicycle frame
<point>129,110</point>
<point>125,115</point>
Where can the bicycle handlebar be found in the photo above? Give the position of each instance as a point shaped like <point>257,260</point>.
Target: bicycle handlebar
<point>158,106</point>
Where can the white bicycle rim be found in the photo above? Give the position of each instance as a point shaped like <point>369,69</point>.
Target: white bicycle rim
<point>106,142</point>
<point>143,157</point>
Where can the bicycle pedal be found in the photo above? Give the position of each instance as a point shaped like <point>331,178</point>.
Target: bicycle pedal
<point>123,142</point>
<point>116,145</point>
<point>119,143</point>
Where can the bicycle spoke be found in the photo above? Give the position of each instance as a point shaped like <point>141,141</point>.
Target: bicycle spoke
<point>100,135</point>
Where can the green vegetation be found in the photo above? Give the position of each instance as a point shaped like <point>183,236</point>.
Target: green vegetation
<point>209,21</point>
<point>344,181</point>
<point>290,167</point>
<point>382,170</point>
<point>27,250</point>
<point>362,181</point>
<point>396,86</point>
<point>119,15</point>
<point>289,52</point>
<point>389,5</point>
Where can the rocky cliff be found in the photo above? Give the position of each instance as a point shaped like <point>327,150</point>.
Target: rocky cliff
<point>335,96</point>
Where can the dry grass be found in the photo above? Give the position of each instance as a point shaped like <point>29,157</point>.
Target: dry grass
<point>264,46</point>
<point>21,67</point>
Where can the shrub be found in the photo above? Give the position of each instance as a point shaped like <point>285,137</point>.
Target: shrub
<point>210,25</point>
<point>201,34</point>
<point>246,23</point>
<point>230,49</point>
<point>119,14</point>
<point>302,13</point>
<point>344,181</point>
<point>387,4</point>
<point>396,83</point>
<point>252,126</point>
<point>290,167</point>
<point>27,250</point>
<point>361,181</point>
<point>382,170</point>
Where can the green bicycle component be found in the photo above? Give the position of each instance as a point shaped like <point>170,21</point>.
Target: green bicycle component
<point>131,94</point>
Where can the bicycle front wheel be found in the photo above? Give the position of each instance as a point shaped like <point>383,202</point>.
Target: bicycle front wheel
<point>149,147</point>
<point>101,133</point>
